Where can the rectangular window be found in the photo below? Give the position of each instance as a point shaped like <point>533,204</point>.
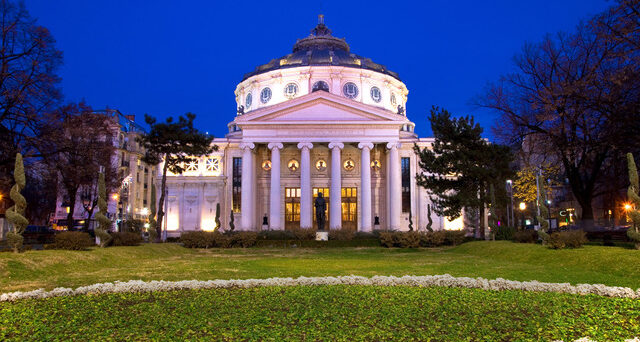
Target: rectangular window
<point>406,184</point>
<point>237,184</point>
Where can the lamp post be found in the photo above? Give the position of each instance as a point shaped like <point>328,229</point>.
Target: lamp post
<point>523,207</point>
<point>510,208</point>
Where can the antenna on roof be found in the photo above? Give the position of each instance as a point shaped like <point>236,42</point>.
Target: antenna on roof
<point>320,19</point>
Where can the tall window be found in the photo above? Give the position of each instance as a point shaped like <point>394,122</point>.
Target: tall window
<point>237,184</point>
<point>406,185</point>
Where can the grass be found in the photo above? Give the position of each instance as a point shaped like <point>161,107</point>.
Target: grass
<point>336,313</point>
<point>48,269</point>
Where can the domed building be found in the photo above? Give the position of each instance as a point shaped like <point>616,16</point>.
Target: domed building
<point>320,121</point>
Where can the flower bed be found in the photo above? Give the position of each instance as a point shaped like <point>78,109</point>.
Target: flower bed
<point>418,281</point>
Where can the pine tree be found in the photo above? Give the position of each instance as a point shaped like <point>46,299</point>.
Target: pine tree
<point>15,214</point>
<point>634,197</point>
<point>174,143</point>
<point>460,166</point>
<point>104,223</point>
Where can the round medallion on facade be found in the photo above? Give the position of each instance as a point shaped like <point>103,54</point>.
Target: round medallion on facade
<point>265,95</point>
<point>248,100</point>
<point>266,165</point>
<point>349,165</point>
<point>350,90</point>
<point>375,165</point>
<point>293,165</point>
<point>393,99</point>
<point>321,165</point>
<point>290,90</point>
<point>320,85</point>
<point>376,95</point>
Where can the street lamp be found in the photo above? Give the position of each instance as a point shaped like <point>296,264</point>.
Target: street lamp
<point>510,217</point>
<point>522,207</point>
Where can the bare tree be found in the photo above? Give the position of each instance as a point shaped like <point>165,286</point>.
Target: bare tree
<point>84,145</point>
<point>574,99</point>
<point>28,83</point>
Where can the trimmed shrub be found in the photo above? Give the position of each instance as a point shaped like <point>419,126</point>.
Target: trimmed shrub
<point>387,239</point>
<point>454,237</point>
<point>197,239</point>
<point>525,236</point>
<point>126,239</point>
<point>567,239</point>
<point>221,240</point>
<point>76,241</point>
<point>304,234</point>
<point>433,238</point>
<point>243,239</point>
<point>408,239</point>
<point>505,232</point>
<point>276,235</point>
<point>344,234</point>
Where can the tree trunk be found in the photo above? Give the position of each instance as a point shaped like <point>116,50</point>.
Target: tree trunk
<point>87,222</point>
<point>71,192</point>
<point>163,186</point>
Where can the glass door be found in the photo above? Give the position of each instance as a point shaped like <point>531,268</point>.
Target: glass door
<point>291,208</point>
<point>350,208</point>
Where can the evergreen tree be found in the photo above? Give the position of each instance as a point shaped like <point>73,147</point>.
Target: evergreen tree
<point>218,223</point>
<point>430,221</point>
<point>460,165</point>
<point>174,143</point>
<point>544,212</point>
<point>104,223</point>
<point>232,226</point>
<point>15,214</point>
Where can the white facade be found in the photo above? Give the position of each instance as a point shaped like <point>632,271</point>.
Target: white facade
<point>291,142</point>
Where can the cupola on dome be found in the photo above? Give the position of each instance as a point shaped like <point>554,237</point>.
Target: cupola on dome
<point>321,48</point>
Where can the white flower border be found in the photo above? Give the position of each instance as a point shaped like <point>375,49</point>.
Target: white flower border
<point>445,280</point>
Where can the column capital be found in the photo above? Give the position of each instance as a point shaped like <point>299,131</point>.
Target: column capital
<point>305,145</point>
<point>246,145</point>
<point>393,144</point>
<point>364,145</point>
<point>333,145</point>
<point>275,145</point>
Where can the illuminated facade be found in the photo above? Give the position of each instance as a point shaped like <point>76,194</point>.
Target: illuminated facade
<point>319,120</point>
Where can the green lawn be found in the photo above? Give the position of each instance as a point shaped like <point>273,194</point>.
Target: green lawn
<point>329,313</point>
<point>47,269</point>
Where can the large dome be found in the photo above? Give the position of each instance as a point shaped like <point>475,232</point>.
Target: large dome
<point>321,48</point>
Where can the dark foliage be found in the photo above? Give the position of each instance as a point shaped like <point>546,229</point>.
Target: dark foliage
<point>76,241</point>
<point>126,239</point>
<point>567,239</point>
<point>525,236</point>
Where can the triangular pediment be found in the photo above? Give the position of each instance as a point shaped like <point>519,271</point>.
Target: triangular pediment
<point>321,106</point>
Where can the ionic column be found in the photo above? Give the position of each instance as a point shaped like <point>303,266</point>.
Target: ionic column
<point>275,201</point>
<point>365,185</point>
<point>395,186</point>
<point>305,185</point>
<point>247,198</point>
<point>335,191</point>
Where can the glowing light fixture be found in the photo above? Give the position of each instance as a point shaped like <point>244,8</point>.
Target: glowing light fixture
<point>522,206</point>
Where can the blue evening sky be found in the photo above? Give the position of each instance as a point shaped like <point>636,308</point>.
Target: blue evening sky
<point>170,57</point>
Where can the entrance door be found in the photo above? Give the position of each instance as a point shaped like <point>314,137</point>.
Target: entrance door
<point>350,208</point>
<point>291,208</point>
<point>325,194</point>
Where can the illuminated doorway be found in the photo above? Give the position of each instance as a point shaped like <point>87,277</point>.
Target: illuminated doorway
<point>350,208</point>
<point>291,208</point>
